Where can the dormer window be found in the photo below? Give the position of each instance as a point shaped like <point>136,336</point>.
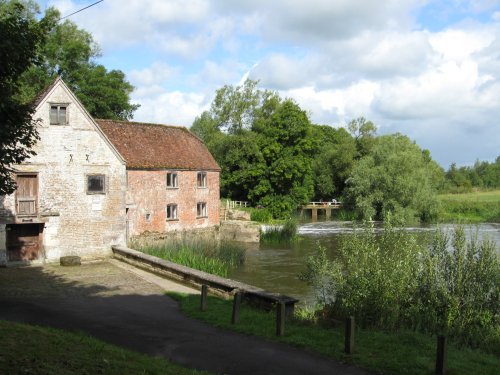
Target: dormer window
<point>58,114</point>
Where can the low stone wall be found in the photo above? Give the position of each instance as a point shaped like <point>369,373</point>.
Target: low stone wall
<point>240,231</point>
<point>218,285</point>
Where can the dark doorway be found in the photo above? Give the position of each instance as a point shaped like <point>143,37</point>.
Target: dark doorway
<point>24,242</point>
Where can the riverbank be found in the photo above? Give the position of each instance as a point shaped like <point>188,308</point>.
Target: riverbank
<point>475,207</point>
<point>382,352</point>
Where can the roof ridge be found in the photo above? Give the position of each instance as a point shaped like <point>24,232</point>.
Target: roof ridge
<point>143,123</point>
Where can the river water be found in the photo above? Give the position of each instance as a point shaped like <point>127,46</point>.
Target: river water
<point>276,267</point>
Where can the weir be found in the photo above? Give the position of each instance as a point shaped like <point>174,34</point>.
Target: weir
<point>317,206</point>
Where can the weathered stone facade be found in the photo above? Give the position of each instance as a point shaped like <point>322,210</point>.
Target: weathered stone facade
<point>72,220</point>
<point>148,197</point>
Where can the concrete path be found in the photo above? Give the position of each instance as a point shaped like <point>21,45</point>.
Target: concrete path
<point>126,306</point>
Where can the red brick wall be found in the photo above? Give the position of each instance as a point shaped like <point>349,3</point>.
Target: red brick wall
<point>147,193</point>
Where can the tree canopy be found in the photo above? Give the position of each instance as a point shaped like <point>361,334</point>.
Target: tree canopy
<point>263,144</point>
<point>396,178</point>
<point>70,52</point>
<point>20,37</point>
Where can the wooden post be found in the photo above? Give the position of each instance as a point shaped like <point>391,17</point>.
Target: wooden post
<point>441,355</point>
<point>349,335</point>
<point>280,318</point>
<point>235,318</point>
<point>204,297</point>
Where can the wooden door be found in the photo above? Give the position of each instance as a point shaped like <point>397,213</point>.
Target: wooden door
<point>27,194</point>
<point>23,242</point>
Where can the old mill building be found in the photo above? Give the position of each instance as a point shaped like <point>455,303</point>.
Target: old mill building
<point>94,183</point>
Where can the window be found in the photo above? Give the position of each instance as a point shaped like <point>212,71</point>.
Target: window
<point>202,179</point>
<point>96,184</point>
<point>147,217</point>
<point>172,181</point>
<point>58,114</point>
<point>201,209</point>
<point>172,212</point>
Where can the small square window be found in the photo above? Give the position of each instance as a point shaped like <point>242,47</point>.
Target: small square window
<point>202,179</point>
<point>172,212</point>
<point>201,209</point>
<point>172,181</point>
<point>96,184</point>
<point>58,114</point>
<point>147,217</point>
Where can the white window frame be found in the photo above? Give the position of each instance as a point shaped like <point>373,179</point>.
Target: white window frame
<point>172,212</point>
<point>59,119</point>
<point>172,180</point>
<point>201,210</point>
<point>201,180</point>
<point>100,175</point>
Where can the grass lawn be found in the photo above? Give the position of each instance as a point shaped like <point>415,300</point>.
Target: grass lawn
<point>26,349</point>
<point>483,206</point>
<point>380,352</point>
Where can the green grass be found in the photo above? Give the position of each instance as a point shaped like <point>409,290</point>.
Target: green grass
<point>285,233</point>
<point>382,352</point>
<point>472,207</point>
<point>27,349</point>
<point>217,258</point>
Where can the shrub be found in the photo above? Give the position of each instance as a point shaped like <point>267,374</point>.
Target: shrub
<point>392,281</point>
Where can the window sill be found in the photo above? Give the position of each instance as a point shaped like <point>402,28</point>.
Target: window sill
<point>202,187</point>
<point>172,220</point>
<point>95,193</point>
<point>172,187</point>
<point>202,217</point>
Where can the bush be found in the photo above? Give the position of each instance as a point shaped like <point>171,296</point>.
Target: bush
<point>262,215</point>
<point>392,281</point>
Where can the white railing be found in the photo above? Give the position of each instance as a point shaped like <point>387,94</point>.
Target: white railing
<point>235,204</point>
<point>325,204</point>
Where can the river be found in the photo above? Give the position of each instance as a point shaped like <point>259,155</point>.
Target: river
<point>276,267</point>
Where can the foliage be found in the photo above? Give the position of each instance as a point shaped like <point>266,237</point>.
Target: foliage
<point>280,233</point>
<point>20,36</point>
<point>389,281</point>
<point>459,290</point>
<point>262,215</point>
<point>382,352</point>
<point>333,161</point>
<point>396,177</point>
<point>28,349</point>
<point>363,132</point>
<point>481,175</point>
<point>70,52</point>
<point>264,146</point>
<point>205,255</point>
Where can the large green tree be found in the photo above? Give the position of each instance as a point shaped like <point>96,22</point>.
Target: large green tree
<point>396,178</point>
<point>70,52</point>
<point>263,145</point>
<point>20,37</point>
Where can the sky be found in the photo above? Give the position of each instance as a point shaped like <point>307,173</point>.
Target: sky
<point>425,68</point>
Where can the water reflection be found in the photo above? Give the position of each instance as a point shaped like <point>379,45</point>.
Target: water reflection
<point>276,267</point>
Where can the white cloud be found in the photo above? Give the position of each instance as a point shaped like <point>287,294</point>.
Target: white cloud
<point>155,74</point>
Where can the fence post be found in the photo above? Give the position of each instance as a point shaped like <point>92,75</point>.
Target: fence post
<point>441,355</point>
<point>280,318</point>
<point>235,318</point>
<point>349,335</point>
<point>204,297</point>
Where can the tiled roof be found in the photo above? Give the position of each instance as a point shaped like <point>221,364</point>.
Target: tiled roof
<point>146,146</point>
<point>39,98</point>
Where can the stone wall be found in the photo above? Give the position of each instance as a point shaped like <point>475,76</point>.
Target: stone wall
<point>148,197</point>
<point>76,223</point>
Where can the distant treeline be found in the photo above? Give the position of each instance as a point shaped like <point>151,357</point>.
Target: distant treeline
<point>482,175</point>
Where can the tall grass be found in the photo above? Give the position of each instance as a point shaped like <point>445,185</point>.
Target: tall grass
<point>280,233</point>
<point>211,256</point>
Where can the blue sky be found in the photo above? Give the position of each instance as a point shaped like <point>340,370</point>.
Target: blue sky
<point>427,69</point>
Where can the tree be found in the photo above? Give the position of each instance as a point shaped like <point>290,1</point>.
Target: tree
<point>263,145</point>
<point>20,36</point>
<point>70,52</point>
<point>364,133</point>
<point>333,161</point>
<point>396,178</point>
